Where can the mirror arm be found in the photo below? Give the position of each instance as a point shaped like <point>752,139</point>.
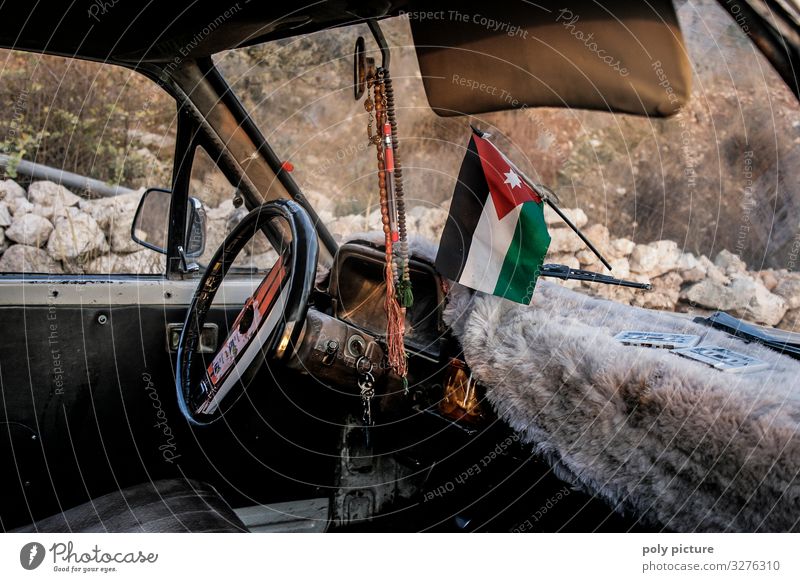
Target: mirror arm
<point>186,266</point>
<point>377,34</point>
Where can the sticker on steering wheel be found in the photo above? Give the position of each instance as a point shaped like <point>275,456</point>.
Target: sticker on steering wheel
<point>248,333</point>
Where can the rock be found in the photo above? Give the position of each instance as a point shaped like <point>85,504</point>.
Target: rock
<point>144,261</point>
<point>576,215</point>
<point>769,279</point>
<point>53,212</point>
<point>664,295</point>
<point>789,288</point>
<point>430,224</point>
<point>4,242</point>
<point>262,261</point>
<point>103,210</point>
<point>656,258</point>
<point>222,211</point>
<point>569,260</point>
<point>643,259</point>
<point>587,258</point>
<point>620,268</point>
<point>623,295</point>
<point>9,190</point>
<point>344,226</point>
<point>119,231</point>
<point>563,240</point>
<point>30,229</point>
<point>216,231</point>
<point>20,206</point>
<point>76,237</point>
<point>791,320</point>
<point>48,193</point>
<point>622,247</point>
<point>744,297</point>
<point>691,268</point>
<point>5,215</point>
<point>712,271</point>
<point>27,259</point>
<point>731,264</point>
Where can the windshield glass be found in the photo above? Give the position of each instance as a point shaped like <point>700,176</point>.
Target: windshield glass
<point>716,176</point>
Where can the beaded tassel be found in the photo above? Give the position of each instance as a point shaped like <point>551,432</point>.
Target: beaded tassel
<point>395,330</point>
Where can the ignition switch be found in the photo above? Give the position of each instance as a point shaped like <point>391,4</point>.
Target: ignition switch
<point>356,346</point>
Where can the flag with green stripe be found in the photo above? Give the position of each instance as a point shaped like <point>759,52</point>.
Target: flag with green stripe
<point>496,238</point>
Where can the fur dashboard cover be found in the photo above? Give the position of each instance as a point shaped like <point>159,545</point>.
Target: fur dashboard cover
<point>676,443</point>
<point>673,442</point>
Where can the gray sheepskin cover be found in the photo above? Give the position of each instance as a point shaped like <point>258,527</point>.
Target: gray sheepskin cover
<point>675,443</point>
<point>670,441</point>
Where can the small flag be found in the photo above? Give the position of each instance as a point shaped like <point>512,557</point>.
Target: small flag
<point>495,239</point>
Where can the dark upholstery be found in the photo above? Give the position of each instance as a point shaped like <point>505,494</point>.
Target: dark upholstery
<point>170,506</point>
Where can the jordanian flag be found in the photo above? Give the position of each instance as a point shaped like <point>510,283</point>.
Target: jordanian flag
<point>495,238</point>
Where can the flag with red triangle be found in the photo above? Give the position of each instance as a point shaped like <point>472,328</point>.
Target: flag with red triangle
<point>495,238</point>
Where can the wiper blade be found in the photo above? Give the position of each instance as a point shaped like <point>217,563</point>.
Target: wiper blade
<point>785,342</point>
<point>566,273</point>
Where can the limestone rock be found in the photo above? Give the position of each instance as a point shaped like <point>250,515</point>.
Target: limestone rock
<point>27,259</point>
<point>222,211</point>
<point>76,237</point>
<point>789,288</point>
<point>730,263</point>
<point>119,231</point>
<point>691,268</point>
<point>103,210</point>
<point>620,268</point>
<point>53,212</point>
<point>20,206</point>
<point>664,294</point>
<point>713,272</point>
<point>791,321</point>
<point>744,297</point>
<point>30,229</point>
<point>144,261</point>
<point>769,278</point>
<point>576,215</point>
<point>563,240</point>
<point>569,260</point>
<point>622,247</point>
<point>9,190</point>
<point>5,215</point>
<point>428,223</point>
<point>644,259</point>
<point>587,258</point>
<point>48,193</point>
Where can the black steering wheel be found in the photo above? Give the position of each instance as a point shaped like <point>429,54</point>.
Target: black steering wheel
<point>270,321</point>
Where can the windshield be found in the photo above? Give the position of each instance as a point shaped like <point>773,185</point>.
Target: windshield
<point>717,176</point>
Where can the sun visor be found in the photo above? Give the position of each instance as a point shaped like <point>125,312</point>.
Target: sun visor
<point>627,58</point>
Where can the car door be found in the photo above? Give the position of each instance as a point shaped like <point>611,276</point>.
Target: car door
<point>88,315</point>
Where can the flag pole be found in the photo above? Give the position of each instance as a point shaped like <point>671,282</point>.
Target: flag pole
<point>548,196</point>
<point>542,189</point>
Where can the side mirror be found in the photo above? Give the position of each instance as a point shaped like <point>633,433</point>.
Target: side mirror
<point>151,223</point>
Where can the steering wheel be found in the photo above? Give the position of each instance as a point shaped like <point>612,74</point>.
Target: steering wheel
<point>267,323</point>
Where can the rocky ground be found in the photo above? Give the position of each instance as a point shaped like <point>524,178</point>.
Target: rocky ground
<point>47,228</point>
<point>681,280</point>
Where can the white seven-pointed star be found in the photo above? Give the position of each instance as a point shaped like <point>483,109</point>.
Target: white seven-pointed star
<point>512,179</point>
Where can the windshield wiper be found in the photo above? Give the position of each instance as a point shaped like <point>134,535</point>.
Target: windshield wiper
<point>566,273</point>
